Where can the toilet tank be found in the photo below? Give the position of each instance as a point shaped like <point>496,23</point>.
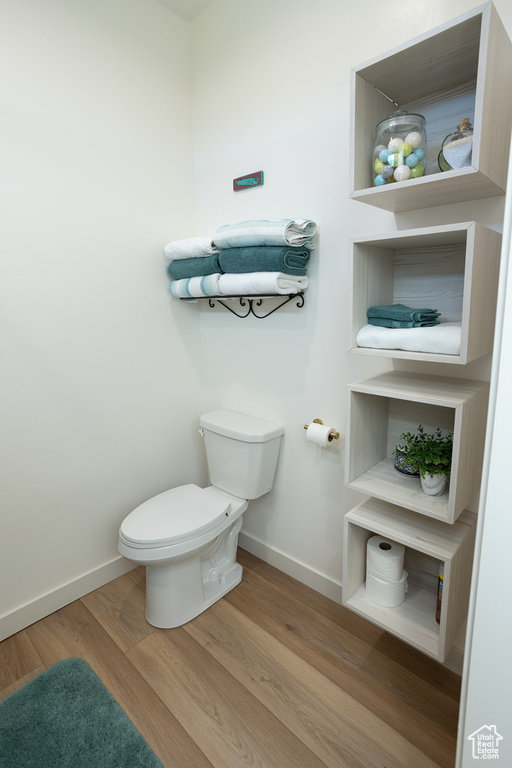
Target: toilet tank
<point>241,451</point>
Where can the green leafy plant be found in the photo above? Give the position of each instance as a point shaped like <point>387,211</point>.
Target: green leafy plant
<point>428,453</point>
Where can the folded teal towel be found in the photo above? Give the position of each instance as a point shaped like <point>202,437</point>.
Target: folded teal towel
<point>292,261</point>
<point>385,322</point>
<point>180,269</point>
<point>402,313</point>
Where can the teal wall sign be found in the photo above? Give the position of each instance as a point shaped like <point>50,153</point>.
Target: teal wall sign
<point>248,181</point>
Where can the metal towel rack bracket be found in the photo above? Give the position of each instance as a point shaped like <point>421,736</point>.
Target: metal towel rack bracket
<point>248,304</point>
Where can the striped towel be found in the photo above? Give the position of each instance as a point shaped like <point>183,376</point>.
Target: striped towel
<point>260,284</point>
<point>190,248</point>
<point>194,287</point>
<point>294,232</point>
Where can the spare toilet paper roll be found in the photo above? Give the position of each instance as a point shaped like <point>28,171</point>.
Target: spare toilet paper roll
<point>385,558</point>
<point>385,593</point>
<point>319,434</point>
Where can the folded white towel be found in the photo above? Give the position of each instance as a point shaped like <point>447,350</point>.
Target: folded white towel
<point>294,232</point>
<point>207,285</point>
<point>260,283</point>
<point>189,248</point>
<point>442,339</point>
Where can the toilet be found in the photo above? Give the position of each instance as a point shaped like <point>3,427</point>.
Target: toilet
<point>187,537</point>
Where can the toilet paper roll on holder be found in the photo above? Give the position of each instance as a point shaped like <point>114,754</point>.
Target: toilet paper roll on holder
<point>332,434</point>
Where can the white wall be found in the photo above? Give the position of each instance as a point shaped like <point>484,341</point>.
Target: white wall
<point>273,94</point>
<point>99,386</point>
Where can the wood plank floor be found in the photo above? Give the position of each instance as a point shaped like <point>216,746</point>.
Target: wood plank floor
<point>274,675</point>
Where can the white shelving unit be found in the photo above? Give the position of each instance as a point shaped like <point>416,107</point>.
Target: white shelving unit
<point>460,69</point>
<point>383,407</point>
<point>453,268</point>
<point>428,543</point>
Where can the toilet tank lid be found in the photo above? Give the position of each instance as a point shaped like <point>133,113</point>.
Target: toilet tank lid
<point>240,426</point>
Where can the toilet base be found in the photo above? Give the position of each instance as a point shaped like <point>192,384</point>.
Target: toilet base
<point>215,590</point>
<point>178,591</point>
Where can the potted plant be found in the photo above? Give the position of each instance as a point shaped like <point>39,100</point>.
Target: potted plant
<point>431,456</point>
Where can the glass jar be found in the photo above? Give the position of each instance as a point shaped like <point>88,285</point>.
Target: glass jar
<point>457,147</point>
<point>400,149</point>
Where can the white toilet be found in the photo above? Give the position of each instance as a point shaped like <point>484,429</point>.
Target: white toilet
<point>187,537</point>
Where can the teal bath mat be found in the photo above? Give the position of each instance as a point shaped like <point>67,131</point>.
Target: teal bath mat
<point>66,718</point>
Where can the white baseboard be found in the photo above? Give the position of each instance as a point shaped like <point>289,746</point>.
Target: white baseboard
<point>319,582</point>
<point>37,609</point>
<point>303,573</point>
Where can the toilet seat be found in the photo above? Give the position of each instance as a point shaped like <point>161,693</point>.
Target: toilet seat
<point>174,516</point>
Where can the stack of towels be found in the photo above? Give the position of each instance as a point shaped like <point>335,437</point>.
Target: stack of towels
<point>251,258</point>
<point>398,326</point>
<point>401,316</point>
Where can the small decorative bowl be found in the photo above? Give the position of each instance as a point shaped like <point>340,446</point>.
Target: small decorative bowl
<point>403,465</point>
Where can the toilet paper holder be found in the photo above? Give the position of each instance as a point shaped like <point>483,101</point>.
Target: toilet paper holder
<point>332,434</point>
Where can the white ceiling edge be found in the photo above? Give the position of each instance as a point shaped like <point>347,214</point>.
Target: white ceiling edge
<point>187,9</point>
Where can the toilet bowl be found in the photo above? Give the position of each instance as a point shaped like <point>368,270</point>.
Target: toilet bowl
<point>187,537</point>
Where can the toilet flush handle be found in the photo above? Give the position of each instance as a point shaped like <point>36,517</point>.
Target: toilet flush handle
<point>201,432</point>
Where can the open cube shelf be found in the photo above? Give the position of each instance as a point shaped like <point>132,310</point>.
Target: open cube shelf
<point>383,407</point>
<point>428,544</point>
<point>460,69</point>
<point>452,268</point>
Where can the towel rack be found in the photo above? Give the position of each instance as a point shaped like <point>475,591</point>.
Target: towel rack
<point>248,303</point>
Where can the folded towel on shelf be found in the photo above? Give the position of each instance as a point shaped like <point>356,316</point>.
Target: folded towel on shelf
<point>195,287</point>
<point>190,248</point>
<point>385,322</point>
<point>443,339</point>
<point>295,232</point>
<point>183,268</point>
<point>402,313</point>
<point>265,258</point>
<point>261,283</point>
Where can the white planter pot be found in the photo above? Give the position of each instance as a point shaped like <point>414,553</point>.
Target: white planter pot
<point>433,485</point>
